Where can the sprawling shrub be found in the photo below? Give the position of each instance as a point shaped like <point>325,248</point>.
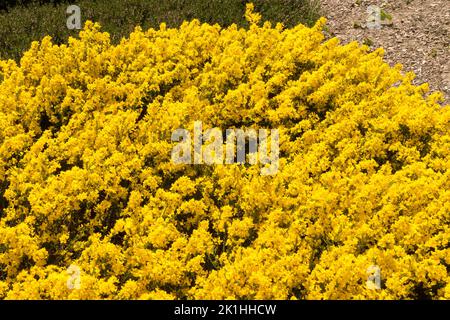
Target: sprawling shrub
<point>87,182</point>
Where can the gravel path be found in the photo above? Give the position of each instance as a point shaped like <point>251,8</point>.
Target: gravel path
<point>415,33</point>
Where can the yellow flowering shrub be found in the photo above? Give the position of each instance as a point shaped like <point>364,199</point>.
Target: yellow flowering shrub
<point>86,177</point>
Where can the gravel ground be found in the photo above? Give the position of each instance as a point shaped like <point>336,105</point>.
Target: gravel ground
<point>415,33</point>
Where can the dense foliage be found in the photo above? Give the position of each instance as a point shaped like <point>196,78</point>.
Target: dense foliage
<point>86,177</point>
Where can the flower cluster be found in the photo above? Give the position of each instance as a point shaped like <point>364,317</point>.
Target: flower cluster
<point>86,177</point>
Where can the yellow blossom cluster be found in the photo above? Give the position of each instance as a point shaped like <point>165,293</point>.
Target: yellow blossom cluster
<point>87,185</point>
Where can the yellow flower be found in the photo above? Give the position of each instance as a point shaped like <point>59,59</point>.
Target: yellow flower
<point>86,176</point>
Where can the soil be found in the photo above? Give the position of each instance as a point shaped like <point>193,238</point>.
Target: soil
<point>415,33</point>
